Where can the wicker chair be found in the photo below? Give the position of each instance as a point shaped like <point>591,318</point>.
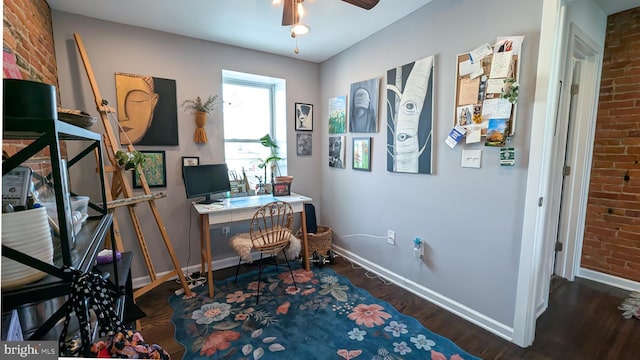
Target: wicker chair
<point>271,233</point>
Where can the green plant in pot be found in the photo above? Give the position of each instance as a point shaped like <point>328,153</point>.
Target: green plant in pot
<point>201,109</point>
<point>129,159</point>
<point>272,159</point>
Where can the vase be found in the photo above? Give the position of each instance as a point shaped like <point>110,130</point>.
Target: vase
<point>284,179</point>
<point>200,135</point>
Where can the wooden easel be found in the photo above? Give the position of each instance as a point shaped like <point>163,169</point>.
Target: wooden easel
<point>120,186</point>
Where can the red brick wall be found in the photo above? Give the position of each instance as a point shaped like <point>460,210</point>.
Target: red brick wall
<point>612,228</point>
<point>28,33</point>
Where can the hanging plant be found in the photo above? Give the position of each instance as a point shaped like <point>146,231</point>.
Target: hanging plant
<point>510,90</point>
<point>201,109</point>
<point>130,159</point>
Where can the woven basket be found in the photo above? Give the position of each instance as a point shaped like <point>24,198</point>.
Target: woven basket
<point>320,241</point>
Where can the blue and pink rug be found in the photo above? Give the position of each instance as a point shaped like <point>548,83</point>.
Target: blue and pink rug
<point>326,317</point>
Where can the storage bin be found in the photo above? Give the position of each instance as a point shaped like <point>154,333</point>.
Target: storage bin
<point>28,232</point>
<point>320,241</point>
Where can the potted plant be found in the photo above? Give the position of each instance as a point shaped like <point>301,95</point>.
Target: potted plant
<point>272,159</point>
<point>201,109</point>
<point>130,159</point>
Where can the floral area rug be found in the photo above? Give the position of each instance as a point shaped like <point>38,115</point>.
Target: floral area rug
<point>631,306</point>
<point>325,317</point>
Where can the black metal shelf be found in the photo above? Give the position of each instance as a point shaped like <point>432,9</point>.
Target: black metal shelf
<point>122,266</point>
<point>88,243</point>
<point>70,257</point>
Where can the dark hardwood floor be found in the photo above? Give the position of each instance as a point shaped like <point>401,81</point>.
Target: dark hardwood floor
<point>582,321</point>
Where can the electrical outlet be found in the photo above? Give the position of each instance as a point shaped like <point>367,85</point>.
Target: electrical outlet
<point>391,237</point>
<point>225,230</point>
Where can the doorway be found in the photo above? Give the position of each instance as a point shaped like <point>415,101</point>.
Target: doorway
<point>575,131</point>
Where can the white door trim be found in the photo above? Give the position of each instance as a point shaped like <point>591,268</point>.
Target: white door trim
<point>530,280</point>
<point>573,212</point>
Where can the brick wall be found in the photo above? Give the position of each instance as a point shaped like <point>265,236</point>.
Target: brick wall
<point>612,228</point>
<point>28,34</point>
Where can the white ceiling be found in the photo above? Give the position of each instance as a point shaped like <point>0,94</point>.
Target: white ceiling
<point>614,6</point>
<point>253,24</point>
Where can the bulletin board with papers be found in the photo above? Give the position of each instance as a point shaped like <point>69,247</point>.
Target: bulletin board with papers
<point>486,91</point>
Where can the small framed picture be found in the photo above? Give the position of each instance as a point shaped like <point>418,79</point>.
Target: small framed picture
<point>190,161</point>
<point>282,189</point>
<point>362,154</point>
<point>303,142</point>
<point>154,168</point>
<point>304,117</point>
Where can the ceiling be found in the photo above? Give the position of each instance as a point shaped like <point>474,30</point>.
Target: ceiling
<point>614,6</point>
<point>253,24</point>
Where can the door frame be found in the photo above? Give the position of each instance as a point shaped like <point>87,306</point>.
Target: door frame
<point>581,135</point>
<point>530,281</point>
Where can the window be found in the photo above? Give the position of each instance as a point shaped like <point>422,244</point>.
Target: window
<point>251,110</point>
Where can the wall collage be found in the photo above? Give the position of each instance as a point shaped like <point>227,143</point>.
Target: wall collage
<point>485,106</point>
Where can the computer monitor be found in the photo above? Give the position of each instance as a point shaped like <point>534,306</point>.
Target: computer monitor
<point>206,180</point>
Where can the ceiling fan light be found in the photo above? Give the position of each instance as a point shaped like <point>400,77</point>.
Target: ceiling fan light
<point>299,29</point>
<point>300,10</point>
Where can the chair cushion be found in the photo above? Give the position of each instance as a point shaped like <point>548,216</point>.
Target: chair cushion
<point>293,250</point>
<point>242,245</point>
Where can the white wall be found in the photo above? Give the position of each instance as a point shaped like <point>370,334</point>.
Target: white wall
<point>471,219</point>
<point>196,66</point>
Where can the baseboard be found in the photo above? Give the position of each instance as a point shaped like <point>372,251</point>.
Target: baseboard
<point>609,279</point>
<point>444,302</point>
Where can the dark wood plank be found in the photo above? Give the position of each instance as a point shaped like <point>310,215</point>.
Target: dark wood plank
<point>582,322</point>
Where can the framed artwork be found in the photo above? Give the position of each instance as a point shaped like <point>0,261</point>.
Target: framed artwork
<point>362,154</point>
<point>190,161</point>
<point>337,151</point>
<point>338,115</point>
<point>147,110</point>
<point>154,169</point>
<point>304,117</point>
<point>410,129</point>
<point>282,189</point>
<point>363,110</point>
<point>303,144</point>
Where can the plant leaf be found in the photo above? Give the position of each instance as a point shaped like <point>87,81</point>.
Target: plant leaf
<point>276,347</point>
<point>339,295</point>
<point>246,350</point>
<point>256,333</point>
<point>226,325</point>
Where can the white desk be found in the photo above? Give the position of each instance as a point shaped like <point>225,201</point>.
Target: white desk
<point>242,209</point>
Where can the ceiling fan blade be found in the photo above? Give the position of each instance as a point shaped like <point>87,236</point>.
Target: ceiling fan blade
<point>365,4</point>
<point>289,13</point>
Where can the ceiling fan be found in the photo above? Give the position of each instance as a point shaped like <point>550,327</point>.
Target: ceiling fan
<point>291,16</point>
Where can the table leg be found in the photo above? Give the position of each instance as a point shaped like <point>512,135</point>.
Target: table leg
<point>202,242</point>
<point>205,238</point>
<point>305,241</point>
